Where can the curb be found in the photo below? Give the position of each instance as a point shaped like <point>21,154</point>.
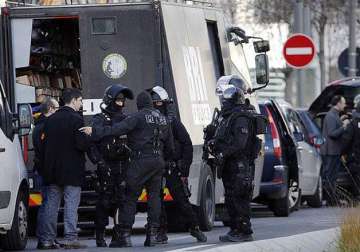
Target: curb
<point>318,241</point>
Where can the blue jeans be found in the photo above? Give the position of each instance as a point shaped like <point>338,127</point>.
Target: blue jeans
<point>71,196</point>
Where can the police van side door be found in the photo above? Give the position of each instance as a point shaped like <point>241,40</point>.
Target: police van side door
<point>119,44</point>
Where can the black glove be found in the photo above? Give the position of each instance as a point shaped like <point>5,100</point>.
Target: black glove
<point>219,161</point>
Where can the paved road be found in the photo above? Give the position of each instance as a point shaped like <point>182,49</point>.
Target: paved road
<point>266,226</point>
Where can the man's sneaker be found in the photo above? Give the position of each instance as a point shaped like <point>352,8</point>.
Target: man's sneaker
<point>61,245</point>
<point>236,236</point>
<point>74,245</point>
<point>196,232</point>
<point>46,246</point>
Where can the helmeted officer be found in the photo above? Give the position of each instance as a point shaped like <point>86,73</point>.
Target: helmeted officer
<point>233,147</point>
<point>177,170</point>
<point>351,138</point>
<point>111,156</point>
<point>149,138</point>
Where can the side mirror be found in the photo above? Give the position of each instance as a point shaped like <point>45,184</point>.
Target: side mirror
<point>299,136</point>
<point>262,68</point>
<point>261,46</point>
<point>25,119</point>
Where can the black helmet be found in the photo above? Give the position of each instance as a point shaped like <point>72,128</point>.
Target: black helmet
<point>233,94</point>
<point>159,94</point>
<point>113,91</point>
<point>234,80</point>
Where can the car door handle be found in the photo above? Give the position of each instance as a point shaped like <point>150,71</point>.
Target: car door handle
<point>2,149</point>
<point>300,148</point>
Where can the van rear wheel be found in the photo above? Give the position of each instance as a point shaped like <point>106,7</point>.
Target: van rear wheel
<point>16,238</point>
<point>207,201</point>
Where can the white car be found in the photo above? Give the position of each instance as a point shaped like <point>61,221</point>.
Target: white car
<point>14,187</point>
<point>308,156</point>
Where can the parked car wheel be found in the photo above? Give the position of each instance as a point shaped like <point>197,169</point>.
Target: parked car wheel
<point>316,200</point>
<point>294,196</point>
<point>16,238</point>
<point>281,207</point>
<point>207,202</point>
<point>284,206</point>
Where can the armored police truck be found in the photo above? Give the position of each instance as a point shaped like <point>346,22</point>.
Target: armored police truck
<point>184,47</point>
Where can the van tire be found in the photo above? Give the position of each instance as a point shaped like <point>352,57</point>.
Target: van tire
<point>206,211</point>
<point>315,200</point>
<point>17,237</point>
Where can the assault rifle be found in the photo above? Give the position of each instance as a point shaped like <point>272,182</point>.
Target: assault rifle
<point>209,133</point>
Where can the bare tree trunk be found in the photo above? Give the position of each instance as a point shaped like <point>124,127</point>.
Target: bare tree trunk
<point>322,58</point>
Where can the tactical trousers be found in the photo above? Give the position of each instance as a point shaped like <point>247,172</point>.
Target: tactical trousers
<point>143,172</point>
<point>237,180</point>
<point>110,200</point>
<point>176,188</point>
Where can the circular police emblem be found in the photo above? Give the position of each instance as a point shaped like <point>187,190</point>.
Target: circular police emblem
<point>114,66</point>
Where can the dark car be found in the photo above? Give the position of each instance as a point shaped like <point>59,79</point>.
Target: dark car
<point>349,88</point>
<point>280,168</point>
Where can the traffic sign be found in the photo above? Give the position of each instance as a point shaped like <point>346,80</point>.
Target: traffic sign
<point>343,62</point>
<point>299,50</point>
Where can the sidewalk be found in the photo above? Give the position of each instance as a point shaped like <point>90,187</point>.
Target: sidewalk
<point>319,241</point>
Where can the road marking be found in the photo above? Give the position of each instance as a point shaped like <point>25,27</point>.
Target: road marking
<point>299,51</point>
<point>192,248</point>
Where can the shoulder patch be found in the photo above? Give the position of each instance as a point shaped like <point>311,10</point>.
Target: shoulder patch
<point>244,130</point>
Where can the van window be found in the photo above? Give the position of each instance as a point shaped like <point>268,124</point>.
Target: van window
<point>104,25</point>
<point>215,49</point>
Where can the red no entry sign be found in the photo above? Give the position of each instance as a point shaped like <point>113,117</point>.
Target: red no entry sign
<point>299,50</point>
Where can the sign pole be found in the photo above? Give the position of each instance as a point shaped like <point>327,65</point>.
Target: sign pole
<point>299,25</point>
<point>352,38</point>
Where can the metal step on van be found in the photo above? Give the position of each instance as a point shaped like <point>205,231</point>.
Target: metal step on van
<point>184,47</point>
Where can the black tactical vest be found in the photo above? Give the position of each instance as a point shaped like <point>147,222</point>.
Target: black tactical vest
<point>113,148</point>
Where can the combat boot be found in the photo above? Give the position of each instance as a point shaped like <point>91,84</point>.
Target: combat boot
<point>234,235</point>
<point>198,234</point>
<point>100,238</point>
<point>161,236</point>
<point>151,234</point>
<point>120,238</point>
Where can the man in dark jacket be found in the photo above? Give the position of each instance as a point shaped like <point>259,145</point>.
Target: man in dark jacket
<point>333,129</point>
<point>177,170</point>
<point>64,167</point>
<point>351,139</point>
<point>47,108</point>
<point>149,138</point>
